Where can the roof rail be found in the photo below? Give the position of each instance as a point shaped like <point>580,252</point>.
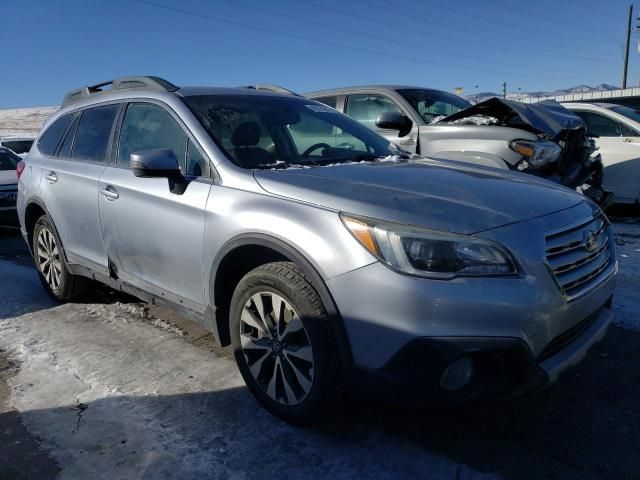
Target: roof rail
<point>122,83</point>
<point>271,88</point>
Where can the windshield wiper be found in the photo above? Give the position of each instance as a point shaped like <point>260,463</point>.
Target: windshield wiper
<point>279,164</point>
<point>362,157</point>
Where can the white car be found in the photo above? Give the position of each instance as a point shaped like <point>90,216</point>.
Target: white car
<point>616,129</point>
<point>19,145</point>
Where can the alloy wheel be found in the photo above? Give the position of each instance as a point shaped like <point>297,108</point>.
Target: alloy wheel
<point>276,348</point>
<point>49,262</point>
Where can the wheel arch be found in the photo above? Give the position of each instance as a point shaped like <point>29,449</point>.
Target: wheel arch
<point>255,250</point>
<point>33,211</point>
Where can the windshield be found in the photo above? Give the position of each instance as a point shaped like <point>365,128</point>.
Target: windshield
<point>261,131</point>
<point>627,112</point>
<point>18,146</point>
<point>8,159</point>
<point>433,104</point>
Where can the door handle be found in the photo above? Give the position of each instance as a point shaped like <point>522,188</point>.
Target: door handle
<point>52,177</point>
<point>110,193</point>
<point>627,140</point>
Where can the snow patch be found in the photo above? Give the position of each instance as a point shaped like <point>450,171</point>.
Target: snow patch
<point>167,326</point>
<point>27,122</point>
<point>398,158</point>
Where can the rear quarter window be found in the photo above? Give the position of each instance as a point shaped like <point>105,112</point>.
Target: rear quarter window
<point>51,138</point>
<point>64,151</point>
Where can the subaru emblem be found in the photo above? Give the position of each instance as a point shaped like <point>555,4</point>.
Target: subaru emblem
<point>590,241</point>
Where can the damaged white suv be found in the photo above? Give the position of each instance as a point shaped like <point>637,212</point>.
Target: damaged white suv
<point>332,263</point>
<point>543,139</point>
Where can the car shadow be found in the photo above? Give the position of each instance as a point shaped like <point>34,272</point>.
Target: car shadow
<point>221,434</point>
<point>586,426</point>
<point>22,292</point>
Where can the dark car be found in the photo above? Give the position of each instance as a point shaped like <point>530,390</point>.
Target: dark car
<point>8,185</point>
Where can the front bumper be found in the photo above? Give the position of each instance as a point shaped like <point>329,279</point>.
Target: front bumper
<point>576,344</point>
<point>522,330</point>
<point>504,368</point>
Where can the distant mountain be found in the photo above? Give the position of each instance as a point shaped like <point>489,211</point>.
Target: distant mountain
<point>483,95</point>
<point>606,86</point>
<point>479,97</point>
<point>23,121</point>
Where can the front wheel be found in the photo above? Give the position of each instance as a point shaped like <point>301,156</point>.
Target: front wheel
<point>284,345</point>
<point>51,265</point>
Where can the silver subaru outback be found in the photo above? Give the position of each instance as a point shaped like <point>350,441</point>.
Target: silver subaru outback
<point>332,263</point>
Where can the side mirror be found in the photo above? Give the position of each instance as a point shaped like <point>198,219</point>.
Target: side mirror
<point>155,163</point>
<point>159,163</point>
<point>395,121</point>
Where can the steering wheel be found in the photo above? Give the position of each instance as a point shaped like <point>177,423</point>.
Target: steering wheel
<point>313,147</point>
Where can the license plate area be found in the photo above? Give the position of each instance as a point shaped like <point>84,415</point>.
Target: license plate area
<point>8,198</point>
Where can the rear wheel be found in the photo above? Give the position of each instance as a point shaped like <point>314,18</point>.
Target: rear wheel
<point>284,345</point>
<point>51,265</point>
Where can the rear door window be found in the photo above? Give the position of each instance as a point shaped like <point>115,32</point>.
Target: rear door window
<point>94,130</point>
<point>51,138</point>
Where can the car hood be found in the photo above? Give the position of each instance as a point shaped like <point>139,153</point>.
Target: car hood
<point>548,117</point>
<point>443,195</point>
<point>8,177</point>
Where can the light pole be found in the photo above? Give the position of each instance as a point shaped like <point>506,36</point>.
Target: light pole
<point>637,29</point>
<point>626,50</point>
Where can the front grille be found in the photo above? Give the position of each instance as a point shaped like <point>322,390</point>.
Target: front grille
<point>579,255</point>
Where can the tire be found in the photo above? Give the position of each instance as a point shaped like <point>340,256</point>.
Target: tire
<point>51,265</point>
<point>289,361</point>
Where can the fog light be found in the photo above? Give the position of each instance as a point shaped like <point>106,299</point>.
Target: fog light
<point>458,374</point>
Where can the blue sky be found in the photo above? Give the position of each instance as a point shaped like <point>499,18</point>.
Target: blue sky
<point>49,47</point>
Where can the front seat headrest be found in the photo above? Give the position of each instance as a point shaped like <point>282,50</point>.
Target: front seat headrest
<point>247,134</point>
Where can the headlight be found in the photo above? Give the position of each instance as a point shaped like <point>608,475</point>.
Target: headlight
<point>538,153</point>
<point>430,253</point>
